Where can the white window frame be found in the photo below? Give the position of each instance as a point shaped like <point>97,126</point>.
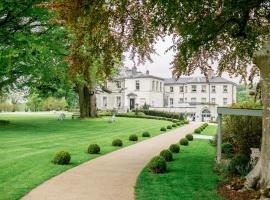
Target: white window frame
<point>193,100</point>
<point>181,100</point>
<point>137,85</point>
<point>171,101</point>
<point>118,104</point>
<point>213,100</point>
<point>225,90</point>
<point>193,88</point>
<point>103,101</point>
<point>181,89</point>
<point>213,88</point>
<point>203,100</point>
<point>203,89</point>
<point>225,101</point>
<point>171,88</point>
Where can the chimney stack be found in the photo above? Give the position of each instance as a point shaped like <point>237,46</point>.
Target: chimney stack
<point>210,73</point>
<point>134,70</point>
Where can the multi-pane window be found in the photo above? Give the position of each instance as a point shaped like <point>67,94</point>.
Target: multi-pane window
<point>137,85</point>
<point>213,88</point>
<point>181,100</point>
<point>104,101</point>
<point>160,86</point>
<point>171,89</point>
<point>118,101</point>
<point>153,85</point>
<point>181,88</point>
<point>225,88</point>
<point>203,100</point>
<point>193,100</point>
<point>186,89</point>
<point>203,88</point>
<point>225,101</point>
<point>118,84</point>
<point>213,100</point>
<point>157,86</point>
<point>193,88</point>
<point>171,101</point>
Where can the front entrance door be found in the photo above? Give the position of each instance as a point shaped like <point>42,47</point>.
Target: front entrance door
<point>131,104</point>
<point>206,114</point>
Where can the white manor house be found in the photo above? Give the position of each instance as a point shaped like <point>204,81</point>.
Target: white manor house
<point>192,96</point>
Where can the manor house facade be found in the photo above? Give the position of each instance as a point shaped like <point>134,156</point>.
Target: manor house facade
<point>195,97</point>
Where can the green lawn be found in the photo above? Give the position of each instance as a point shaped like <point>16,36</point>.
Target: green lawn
<point>210,130</point>
<point>28,144</point>
<point>190,176</point>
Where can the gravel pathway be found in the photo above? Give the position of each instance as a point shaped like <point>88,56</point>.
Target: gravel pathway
<point>109,177</point>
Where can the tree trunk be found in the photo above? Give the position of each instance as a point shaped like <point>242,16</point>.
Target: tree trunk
<point>87,100</point>
<point>259,177</point>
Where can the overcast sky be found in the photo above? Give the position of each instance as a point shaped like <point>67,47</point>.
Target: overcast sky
<point>161,62</point>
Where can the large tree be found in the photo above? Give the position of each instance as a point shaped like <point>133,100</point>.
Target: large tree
<point>233,33</point>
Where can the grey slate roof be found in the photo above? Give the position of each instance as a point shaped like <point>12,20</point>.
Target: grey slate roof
<point>138,74</point>
<point>188,80</point>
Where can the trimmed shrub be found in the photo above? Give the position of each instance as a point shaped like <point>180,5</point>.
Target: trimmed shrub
<point>184,142</point>
<point>189,137</point>
<point>169,127</point>
<point>61,158</point>
<point>117,143</point>
<point>174,148</point>
<point>174,125</point>
<point>133,137</point>
<point>157,165</point>
<point>227,148</point>
<point>167,155</point>
<point>146,134</point>
<point>197,130</point>
<point>239,165</point>
<point>174,120</point>
<point>93,149</point>
<point>4,122</point>
<point>163,129</point>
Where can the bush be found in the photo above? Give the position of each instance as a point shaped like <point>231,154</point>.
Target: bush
<point>167,155</point>
<point>174,125</point>
<point>169,127</point>
<point>227,148</point>
<point>174,120</point>
<point>184,142</point>
<point>157,165</point>
<point>146,134</point>
<point>239,165</point>
<point>62,158</point>
<point>197,130</point>
<point>174,148</point>
<point>162,114</point>
<point>133,137</point>
<point>117,143</point>
<point>178,124</point>
<point>243,132</point>
<point>163,129</point>
<point>93,149</point>
<point>4,122</point>
<point>189,137</point>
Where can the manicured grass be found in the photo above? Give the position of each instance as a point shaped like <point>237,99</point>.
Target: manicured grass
<point>190,176</point>
<point>29,143</point>
<point>210,130</point>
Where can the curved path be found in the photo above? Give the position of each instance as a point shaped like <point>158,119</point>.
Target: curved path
<point>109,177</point>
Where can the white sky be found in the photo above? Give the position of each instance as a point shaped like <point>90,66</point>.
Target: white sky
<point>161,62</point>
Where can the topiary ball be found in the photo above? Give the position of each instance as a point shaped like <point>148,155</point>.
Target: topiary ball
<point>162,129</point>
<point>174,125</point>
<point>174,148</point>
<point>169,127</point>
<point>189,137</point>
<point>178,123</point>
<point>167,155</point>
<point>157,165</point>
<point>146,134</point>
<point>184,142</point>
<point>93,149</point>
<point>117,143</point>
<point>227,148</point>
<point>61,158</point>
<point>133,137</point>
<point>197,130</point>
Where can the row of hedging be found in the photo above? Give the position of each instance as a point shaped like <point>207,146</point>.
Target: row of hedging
<point>172,115</point>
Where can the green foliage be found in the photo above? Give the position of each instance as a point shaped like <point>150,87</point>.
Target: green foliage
<point>183,142</point>
<point>146,134</point>
<point>157,165</point>
<point>169,127</point>
<point>163,129</point>
<point>239,165</point>
<point>189,137</point>
<point>93,149</point>
<point>174,148</point>
<point>174,125</point>
<point>197,130</point>
<point>162,114</point>
<point>117,143</point>
<point>227,148</point>
<point>133,137</point>
<point>243,132</point>
<point>167,155</point>
<point>4,122</point>
<point>62,158</point>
